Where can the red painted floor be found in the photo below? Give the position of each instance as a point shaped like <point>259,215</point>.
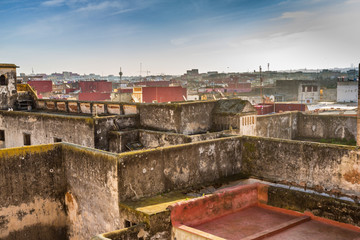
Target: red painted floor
<point>254,220</point>
<point>244,223</point>
<point>316,230</point>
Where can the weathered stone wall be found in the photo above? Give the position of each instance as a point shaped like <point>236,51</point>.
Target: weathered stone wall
<point>104,125</point>
<point>32,183</point>
<point>324,167</point>
<point>130,233</point>
<point>44,127</point>
<point>153,139</point>
<point>185,118</point>
<point>280,125</point>
<point>298,125</point>
<point>118,140</point>
<point>326,126</point>
<point>209,136</point>
<point>92,195</point>
<point>8,92</point>
<point>229,200</point>
<point>322,206</point>
<point>162,117</point>
<point>59,191</point>
<point>64,189</point>
<point>150,172</point>
<point>196,117</point>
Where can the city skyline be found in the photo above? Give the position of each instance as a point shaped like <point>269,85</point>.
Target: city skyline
<point>170,37</point>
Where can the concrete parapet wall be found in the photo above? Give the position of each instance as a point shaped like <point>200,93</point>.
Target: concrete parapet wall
<point>153,139</point>
<point>84,107</point>
<point>320,205</point>
<point>80,188</point>
<point>32,183</point>
<point>150,172</point>
<point>43,128</point>
<point>185,118</point>
<point>197,211</point>
<point>92,191</point>
<point>118,140</point>
<point>326,126</point>
<point>58,191</point>
<point>324,167</point>
<point>298,125</point>
<point>280,125</point>
<point>104,125</point>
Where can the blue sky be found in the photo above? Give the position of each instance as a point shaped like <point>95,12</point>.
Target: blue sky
<point>171,36</point>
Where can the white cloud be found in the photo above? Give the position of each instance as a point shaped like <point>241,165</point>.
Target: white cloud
<point>179,41</point>
<point>52,3</point>
<point>352,1</point>
<point>295,15</point>
<point>100,6</point>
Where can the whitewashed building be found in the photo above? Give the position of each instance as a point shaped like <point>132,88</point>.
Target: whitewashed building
<point>347,91</point>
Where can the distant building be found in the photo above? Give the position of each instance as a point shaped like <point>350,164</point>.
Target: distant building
<point>153,83</point>
<point>347,91</point>
<point>303,91</point>
<point>232,88</point>
<point>95,86</point>
<point>192,72</point>
<point>94,96</point>
<point>267,108</point>
<point>159,94</point>
<point>42,86</point>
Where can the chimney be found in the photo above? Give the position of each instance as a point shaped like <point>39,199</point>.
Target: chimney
<point>358,114</point>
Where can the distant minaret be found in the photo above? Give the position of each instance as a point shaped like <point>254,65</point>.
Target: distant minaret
<point>120,74</point>
<point>261,87</point>
<point>140,69</point>
<point>32,71</point>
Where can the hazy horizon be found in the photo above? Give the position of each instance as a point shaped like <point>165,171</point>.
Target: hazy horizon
<point>170,37</point>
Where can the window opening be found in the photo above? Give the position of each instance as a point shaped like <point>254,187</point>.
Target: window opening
<point>3,80</point>
<point>27,139</point>
<point>2,135</point>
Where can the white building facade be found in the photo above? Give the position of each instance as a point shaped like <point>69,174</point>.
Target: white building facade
<point>347,91</point>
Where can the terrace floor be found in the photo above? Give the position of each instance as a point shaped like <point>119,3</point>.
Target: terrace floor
<point>258,222</point>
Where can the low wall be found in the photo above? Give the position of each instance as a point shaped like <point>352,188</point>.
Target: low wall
<point>326,127</point>
<point>150,172</point>
<point>86,107</point>
<point>104,125</point>
<point>209,136</point>
<point>80,188</point>
<point>32,183</point>
<point>185,118</point>
<point>320,205</point>
<point>118,140</point>
<point>324,167</point>
<point>280,125</point>
<point>197,211</point>
<point>134,232</point>
<point>44,128</point>
<point>58,191</point>
<point>162,117</point>
<point>298,125</point>
<point>196,117</point>
<point>153,139</point>
<point>92,191</point>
